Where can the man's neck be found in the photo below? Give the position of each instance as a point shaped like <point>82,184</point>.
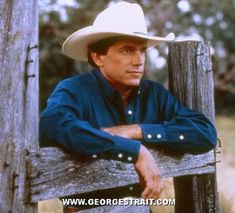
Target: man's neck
<point>125,96</point>
<point>123,91</point>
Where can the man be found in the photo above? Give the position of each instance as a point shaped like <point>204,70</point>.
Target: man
<point>111,112</point>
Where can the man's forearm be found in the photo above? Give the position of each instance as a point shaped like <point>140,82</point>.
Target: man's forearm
<point>132,131</point>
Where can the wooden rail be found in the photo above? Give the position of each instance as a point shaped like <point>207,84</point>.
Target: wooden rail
<point>54,173</point>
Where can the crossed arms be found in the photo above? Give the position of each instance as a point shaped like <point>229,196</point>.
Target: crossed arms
<point>66,122</point>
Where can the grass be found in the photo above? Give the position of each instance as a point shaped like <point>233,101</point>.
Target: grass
<point>226,169</point>
<point>225,173</point>
<point>226,132</point>
<point>50,206</point>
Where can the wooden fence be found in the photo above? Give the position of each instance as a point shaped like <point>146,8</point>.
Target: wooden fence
<point>29,174</point>
<point>18,100</point>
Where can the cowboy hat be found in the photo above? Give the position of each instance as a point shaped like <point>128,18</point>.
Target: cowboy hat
<point>121,19</point>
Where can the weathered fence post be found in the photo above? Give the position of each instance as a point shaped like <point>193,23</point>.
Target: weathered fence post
<point>18,100</point>
<point>191,81</point>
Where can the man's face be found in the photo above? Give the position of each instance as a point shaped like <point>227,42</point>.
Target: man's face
<point>123,64</point>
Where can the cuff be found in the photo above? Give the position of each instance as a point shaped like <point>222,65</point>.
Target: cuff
<point>153,133</point>
<point>125,150</point>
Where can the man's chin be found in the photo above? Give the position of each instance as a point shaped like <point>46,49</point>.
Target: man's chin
<point>133,85</point>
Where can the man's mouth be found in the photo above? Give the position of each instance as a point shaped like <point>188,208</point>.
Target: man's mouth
<point>135,72</point>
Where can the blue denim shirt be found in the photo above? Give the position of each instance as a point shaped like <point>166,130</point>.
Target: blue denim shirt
<point>80,106</point>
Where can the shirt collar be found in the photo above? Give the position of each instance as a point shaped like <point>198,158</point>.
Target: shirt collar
<point>104,84</point>
<point>109,91</point>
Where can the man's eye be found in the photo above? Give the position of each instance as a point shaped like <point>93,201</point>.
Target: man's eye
<point>126,51</point>
<point>143,51</point>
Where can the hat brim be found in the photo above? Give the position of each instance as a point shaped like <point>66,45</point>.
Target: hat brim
<point>76,45</point>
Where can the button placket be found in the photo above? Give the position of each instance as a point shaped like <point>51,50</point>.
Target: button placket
<point>181,137</point>
<point>129,112</point>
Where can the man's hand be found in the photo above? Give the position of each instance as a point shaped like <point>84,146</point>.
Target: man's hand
<point>132,131</point>
<point>149,174</point>
<point>145,166</point>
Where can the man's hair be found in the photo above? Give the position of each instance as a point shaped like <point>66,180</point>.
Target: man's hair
<point>101,47</point>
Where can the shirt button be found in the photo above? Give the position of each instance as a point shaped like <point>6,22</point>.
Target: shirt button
<point>138,92</point>
<point>159,136</point>
<point>120,155</point>
<point>149,136</point>
<point>131,188</point>
<point>94,156</point>
<point>129,112</point>
<point>129,158</point>
<point>181,137</point>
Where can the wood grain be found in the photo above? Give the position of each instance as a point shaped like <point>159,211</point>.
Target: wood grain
<point>54,173</point>
<point>18,100</point>
<point>191,81</point>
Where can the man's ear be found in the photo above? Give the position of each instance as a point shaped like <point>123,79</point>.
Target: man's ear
<point>97,58</point>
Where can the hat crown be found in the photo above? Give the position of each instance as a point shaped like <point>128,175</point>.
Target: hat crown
<point>123,17</point>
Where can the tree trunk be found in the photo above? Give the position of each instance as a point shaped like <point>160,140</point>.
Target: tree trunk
<point>19,100</point>
<point>191,81</point>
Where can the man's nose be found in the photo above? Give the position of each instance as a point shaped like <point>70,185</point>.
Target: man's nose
<point>138,58</point>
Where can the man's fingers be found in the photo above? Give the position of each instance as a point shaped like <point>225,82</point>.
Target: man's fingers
<point>147,191</point>
<point>149,175</point>
<point>156,192</point>
<point>153,188</point>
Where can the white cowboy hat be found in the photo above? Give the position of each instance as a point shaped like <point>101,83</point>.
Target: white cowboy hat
<point>119,19</point>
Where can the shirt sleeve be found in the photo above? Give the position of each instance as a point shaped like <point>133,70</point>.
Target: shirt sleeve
<point>181,129</point>
<point>61,124</point>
